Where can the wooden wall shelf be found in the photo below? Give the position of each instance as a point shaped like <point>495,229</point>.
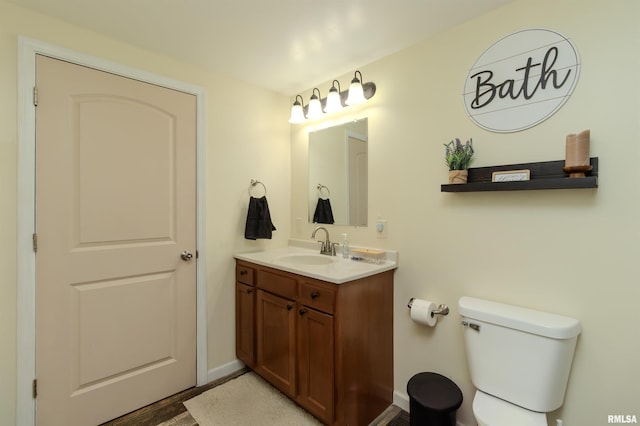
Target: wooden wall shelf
<point>544,175</point>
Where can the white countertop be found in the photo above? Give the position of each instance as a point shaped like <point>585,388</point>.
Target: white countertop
<point>339,271</point>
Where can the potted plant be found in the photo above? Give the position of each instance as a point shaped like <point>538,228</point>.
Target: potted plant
<point>458,157</point>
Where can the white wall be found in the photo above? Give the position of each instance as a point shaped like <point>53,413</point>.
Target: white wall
<point>573,252</point>
<point>237,150</point>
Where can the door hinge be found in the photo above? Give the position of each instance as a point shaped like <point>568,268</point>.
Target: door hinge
<point>35,95</point>
<point>35,388</point>
<point>35,242</point>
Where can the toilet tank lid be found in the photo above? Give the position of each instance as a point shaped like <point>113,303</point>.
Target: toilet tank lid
<point>529,320</point>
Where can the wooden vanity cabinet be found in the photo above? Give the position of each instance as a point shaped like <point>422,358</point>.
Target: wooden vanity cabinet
<point>316,348</point>
<point>329,347</point>
<point>245,314</point>
<point>275,333</point>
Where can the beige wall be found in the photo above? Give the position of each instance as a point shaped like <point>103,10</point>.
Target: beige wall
<point>573,252</point>
<point>237,150</point>
<point>569,251</point>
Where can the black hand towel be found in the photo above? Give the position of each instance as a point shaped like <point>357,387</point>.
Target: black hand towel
<point>259,223</point>
<point>323,213</point>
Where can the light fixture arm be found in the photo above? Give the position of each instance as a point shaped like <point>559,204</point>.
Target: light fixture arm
<point>355,77</point>
<point>339,89</point>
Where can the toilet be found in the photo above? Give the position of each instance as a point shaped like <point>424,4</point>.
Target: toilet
<point>519,360</point>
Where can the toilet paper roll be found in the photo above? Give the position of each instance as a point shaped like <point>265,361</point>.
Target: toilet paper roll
<point>422,312</point>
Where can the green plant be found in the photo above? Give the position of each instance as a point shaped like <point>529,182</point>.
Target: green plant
<point>457,155</point>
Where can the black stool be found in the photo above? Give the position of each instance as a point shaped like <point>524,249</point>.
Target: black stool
<point>433,400</point>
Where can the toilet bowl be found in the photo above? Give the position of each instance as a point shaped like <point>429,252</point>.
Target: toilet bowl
<point>519,361</point>
<point>491,411</point>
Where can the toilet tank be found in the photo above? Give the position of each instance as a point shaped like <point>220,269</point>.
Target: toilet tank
<point>520,355</point>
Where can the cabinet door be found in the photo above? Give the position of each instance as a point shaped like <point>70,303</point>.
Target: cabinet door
<point>275,333</point>
<point>245,324</point>
<point>316,363</point>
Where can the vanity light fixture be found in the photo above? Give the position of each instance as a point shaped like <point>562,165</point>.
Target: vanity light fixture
<point>336,99</point>
<point>297,111</point>
<point>356,91</point>
<point>315,106</point>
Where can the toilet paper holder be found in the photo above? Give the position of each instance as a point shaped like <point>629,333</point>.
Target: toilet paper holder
<point>442,308</point>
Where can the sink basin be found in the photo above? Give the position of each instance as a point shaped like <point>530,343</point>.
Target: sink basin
<point>307,259</point>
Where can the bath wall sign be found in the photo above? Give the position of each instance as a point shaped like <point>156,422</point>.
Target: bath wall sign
<point>521,80</point>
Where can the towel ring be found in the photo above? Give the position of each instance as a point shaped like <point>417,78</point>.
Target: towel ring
<point>320,187</point>
<point>253,184</point>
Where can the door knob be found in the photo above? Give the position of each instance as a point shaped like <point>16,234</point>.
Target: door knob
<point>186,256</point>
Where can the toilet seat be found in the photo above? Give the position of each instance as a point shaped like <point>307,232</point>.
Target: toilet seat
<point>491,411</point>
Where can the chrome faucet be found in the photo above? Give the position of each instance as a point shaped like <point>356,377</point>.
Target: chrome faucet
<point>326,247</point>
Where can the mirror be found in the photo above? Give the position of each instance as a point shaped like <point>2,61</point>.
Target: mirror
<point>338,174</point>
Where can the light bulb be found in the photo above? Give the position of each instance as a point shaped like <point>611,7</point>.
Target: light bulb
<point>334,99</point>
<point>356,92</point>
<point>297,112</point>
<point>315,107</point>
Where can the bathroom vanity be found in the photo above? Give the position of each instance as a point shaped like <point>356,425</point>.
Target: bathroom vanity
<point>325,343</point>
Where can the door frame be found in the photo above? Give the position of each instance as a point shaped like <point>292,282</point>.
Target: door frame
<point>26,276</point>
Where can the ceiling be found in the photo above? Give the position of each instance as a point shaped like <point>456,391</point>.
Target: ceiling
<point>282,45</point>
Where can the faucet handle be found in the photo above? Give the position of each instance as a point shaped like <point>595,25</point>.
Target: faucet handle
<point>333,248</point>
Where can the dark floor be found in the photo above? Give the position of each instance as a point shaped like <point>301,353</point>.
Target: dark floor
<point>168,408</point>
<point>172,412</point>
<point>400,419</point>
<point>393,416</point>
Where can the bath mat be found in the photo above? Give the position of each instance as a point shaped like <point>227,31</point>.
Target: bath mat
<point>182,419</point>
<point>247,400</point>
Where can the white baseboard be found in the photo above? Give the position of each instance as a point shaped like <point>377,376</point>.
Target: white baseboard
<point>401,400</point>
<point>224,370</point>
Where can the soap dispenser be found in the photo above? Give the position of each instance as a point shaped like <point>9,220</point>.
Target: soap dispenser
<point>345,246</point>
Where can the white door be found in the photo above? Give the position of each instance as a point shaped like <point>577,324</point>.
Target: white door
<point>358,188</point>
<point>115,208</point>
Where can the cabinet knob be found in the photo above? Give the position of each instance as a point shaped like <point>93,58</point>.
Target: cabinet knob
<point>243,272</point>
<point>314,294</point>
<point>302,312</point>
<point>289,307</point>
<point>249,291</point>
